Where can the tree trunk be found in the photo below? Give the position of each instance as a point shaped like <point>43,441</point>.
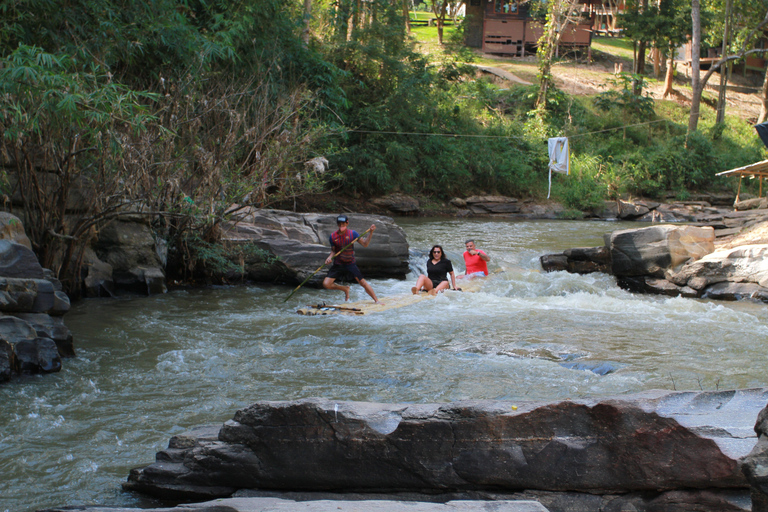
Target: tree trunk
<point>307,17</point>
<point>724,69</point>
<point>696,87</point>
<point>407,16</point>
<point>764,99</point>
<point>668,79</point>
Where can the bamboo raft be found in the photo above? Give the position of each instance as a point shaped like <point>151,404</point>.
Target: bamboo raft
<point>366,307</point>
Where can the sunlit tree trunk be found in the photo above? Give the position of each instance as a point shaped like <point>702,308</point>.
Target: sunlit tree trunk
<point>724,69</point>
<point>696,86</point>
<point>307,18</point>
<point>407,16</point>
<point>558,17</point>
<point>764,99</point>
<point>669,77</point>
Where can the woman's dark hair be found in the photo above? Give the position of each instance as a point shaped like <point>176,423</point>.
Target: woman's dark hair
<point>432,250</point>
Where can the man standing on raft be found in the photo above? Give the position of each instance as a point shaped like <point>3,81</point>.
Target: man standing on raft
<point>475,260</point>
<point>345,262</point>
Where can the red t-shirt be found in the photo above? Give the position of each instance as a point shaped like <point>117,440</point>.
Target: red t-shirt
<point>475,263</point>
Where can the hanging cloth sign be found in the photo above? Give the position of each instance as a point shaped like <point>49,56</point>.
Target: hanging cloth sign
<point>558,158</point>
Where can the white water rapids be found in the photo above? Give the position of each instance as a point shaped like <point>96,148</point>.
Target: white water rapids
<point>151,367</point>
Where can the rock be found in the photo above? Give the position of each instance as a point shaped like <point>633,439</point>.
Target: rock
<point>492,204</point>
<point>52,327</point>
<point>610,210</point>
<point>12,229</point>
<point>744,264</point>
<point>630,210</point>
<point>299,243</point>
<point>736,291</point>
<point>581,260</point>
<point>6,357</point>
<point>651,442</point>
<point>98,280</point>
<point>458,202</point>
<point>652,250</point>
<point>752,204</point>
<point>17,260</point>
<point>398,203</point>
<point>39,355</point>
<point>755,465</point>
<point>130,249</point>
<point>373,504</point>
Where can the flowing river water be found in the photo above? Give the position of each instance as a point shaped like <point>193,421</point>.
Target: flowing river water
<point>151,367</point>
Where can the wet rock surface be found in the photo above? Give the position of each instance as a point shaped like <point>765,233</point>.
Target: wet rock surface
<point>651,444</point>
<point>298,243</point>
<point>33,337</point>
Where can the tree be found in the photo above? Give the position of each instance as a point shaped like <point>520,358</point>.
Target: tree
<point>560,13</point>
<point>440,10</point>
<point>698,83</point>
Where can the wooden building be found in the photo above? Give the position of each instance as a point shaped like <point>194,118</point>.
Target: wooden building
<point>506,27</point>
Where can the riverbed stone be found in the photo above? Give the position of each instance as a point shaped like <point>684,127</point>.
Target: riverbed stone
<point>130,249</point>
<point>19,261</point>
<point>653,250</point>
<point>6,355</point>
<point>39,355</point>
<point>745,266</point>
<point>397,203</point>
<point>628,211</point>
<point>299,244</point>
<point>269,504</point>
<point>12,229</point>
<point>651,441</point>
<point>52,327</point>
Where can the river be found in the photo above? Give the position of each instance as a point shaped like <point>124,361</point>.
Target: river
<point>151,367</point>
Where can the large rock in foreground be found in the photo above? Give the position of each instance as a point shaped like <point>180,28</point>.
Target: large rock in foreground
<point>299,242</point>
<point>652,250</point>
<point>655,441</point>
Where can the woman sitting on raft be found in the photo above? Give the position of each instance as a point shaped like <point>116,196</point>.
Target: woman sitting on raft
<point>438,268</point>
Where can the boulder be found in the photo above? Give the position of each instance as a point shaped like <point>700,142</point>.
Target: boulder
<point>130,249</point>
<point>755,465</point>
<point>17,260</point>
<point>6,359</point>
<point>98,280</point>
<point>492,204</point>
<point>742,264</point>
<point>298,243</point>
<point>337,504</point>
<point>39,355</point>
<point>628,211</point>
<point>652,250</point>
<point>52,327</point>
<point>580,260</point>
<point>649,442</point>
<point>398,203</point>
<point>752,204</point>
<point>657,286</point>
<point>12,229</point>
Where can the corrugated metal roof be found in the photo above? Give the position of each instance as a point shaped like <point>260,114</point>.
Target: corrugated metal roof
<point>756,169</point>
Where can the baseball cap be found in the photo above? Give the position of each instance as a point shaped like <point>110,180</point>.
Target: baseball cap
<point>341,218</point>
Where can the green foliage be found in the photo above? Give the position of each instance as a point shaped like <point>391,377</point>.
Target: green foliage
<point>584,189</point>
<point>55,116</point>
<point>625,96</point>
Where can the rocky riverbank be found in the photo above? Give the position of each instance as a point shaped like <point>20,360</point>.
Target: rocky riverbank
<point>655,451</point>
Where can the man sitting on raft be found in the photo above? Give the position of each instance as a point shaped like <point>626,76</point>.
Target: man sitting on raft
<point>475,260</point>
<point>344,263</point>
<point>438,268</point>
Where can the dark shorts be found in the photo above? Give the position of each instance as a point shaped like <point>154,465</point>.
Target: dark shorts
<point>436,282</point>
<point>337,271</point>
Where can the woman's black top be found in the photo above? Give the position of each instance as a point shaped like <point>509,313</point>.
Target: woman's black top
<point>439,271</point>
